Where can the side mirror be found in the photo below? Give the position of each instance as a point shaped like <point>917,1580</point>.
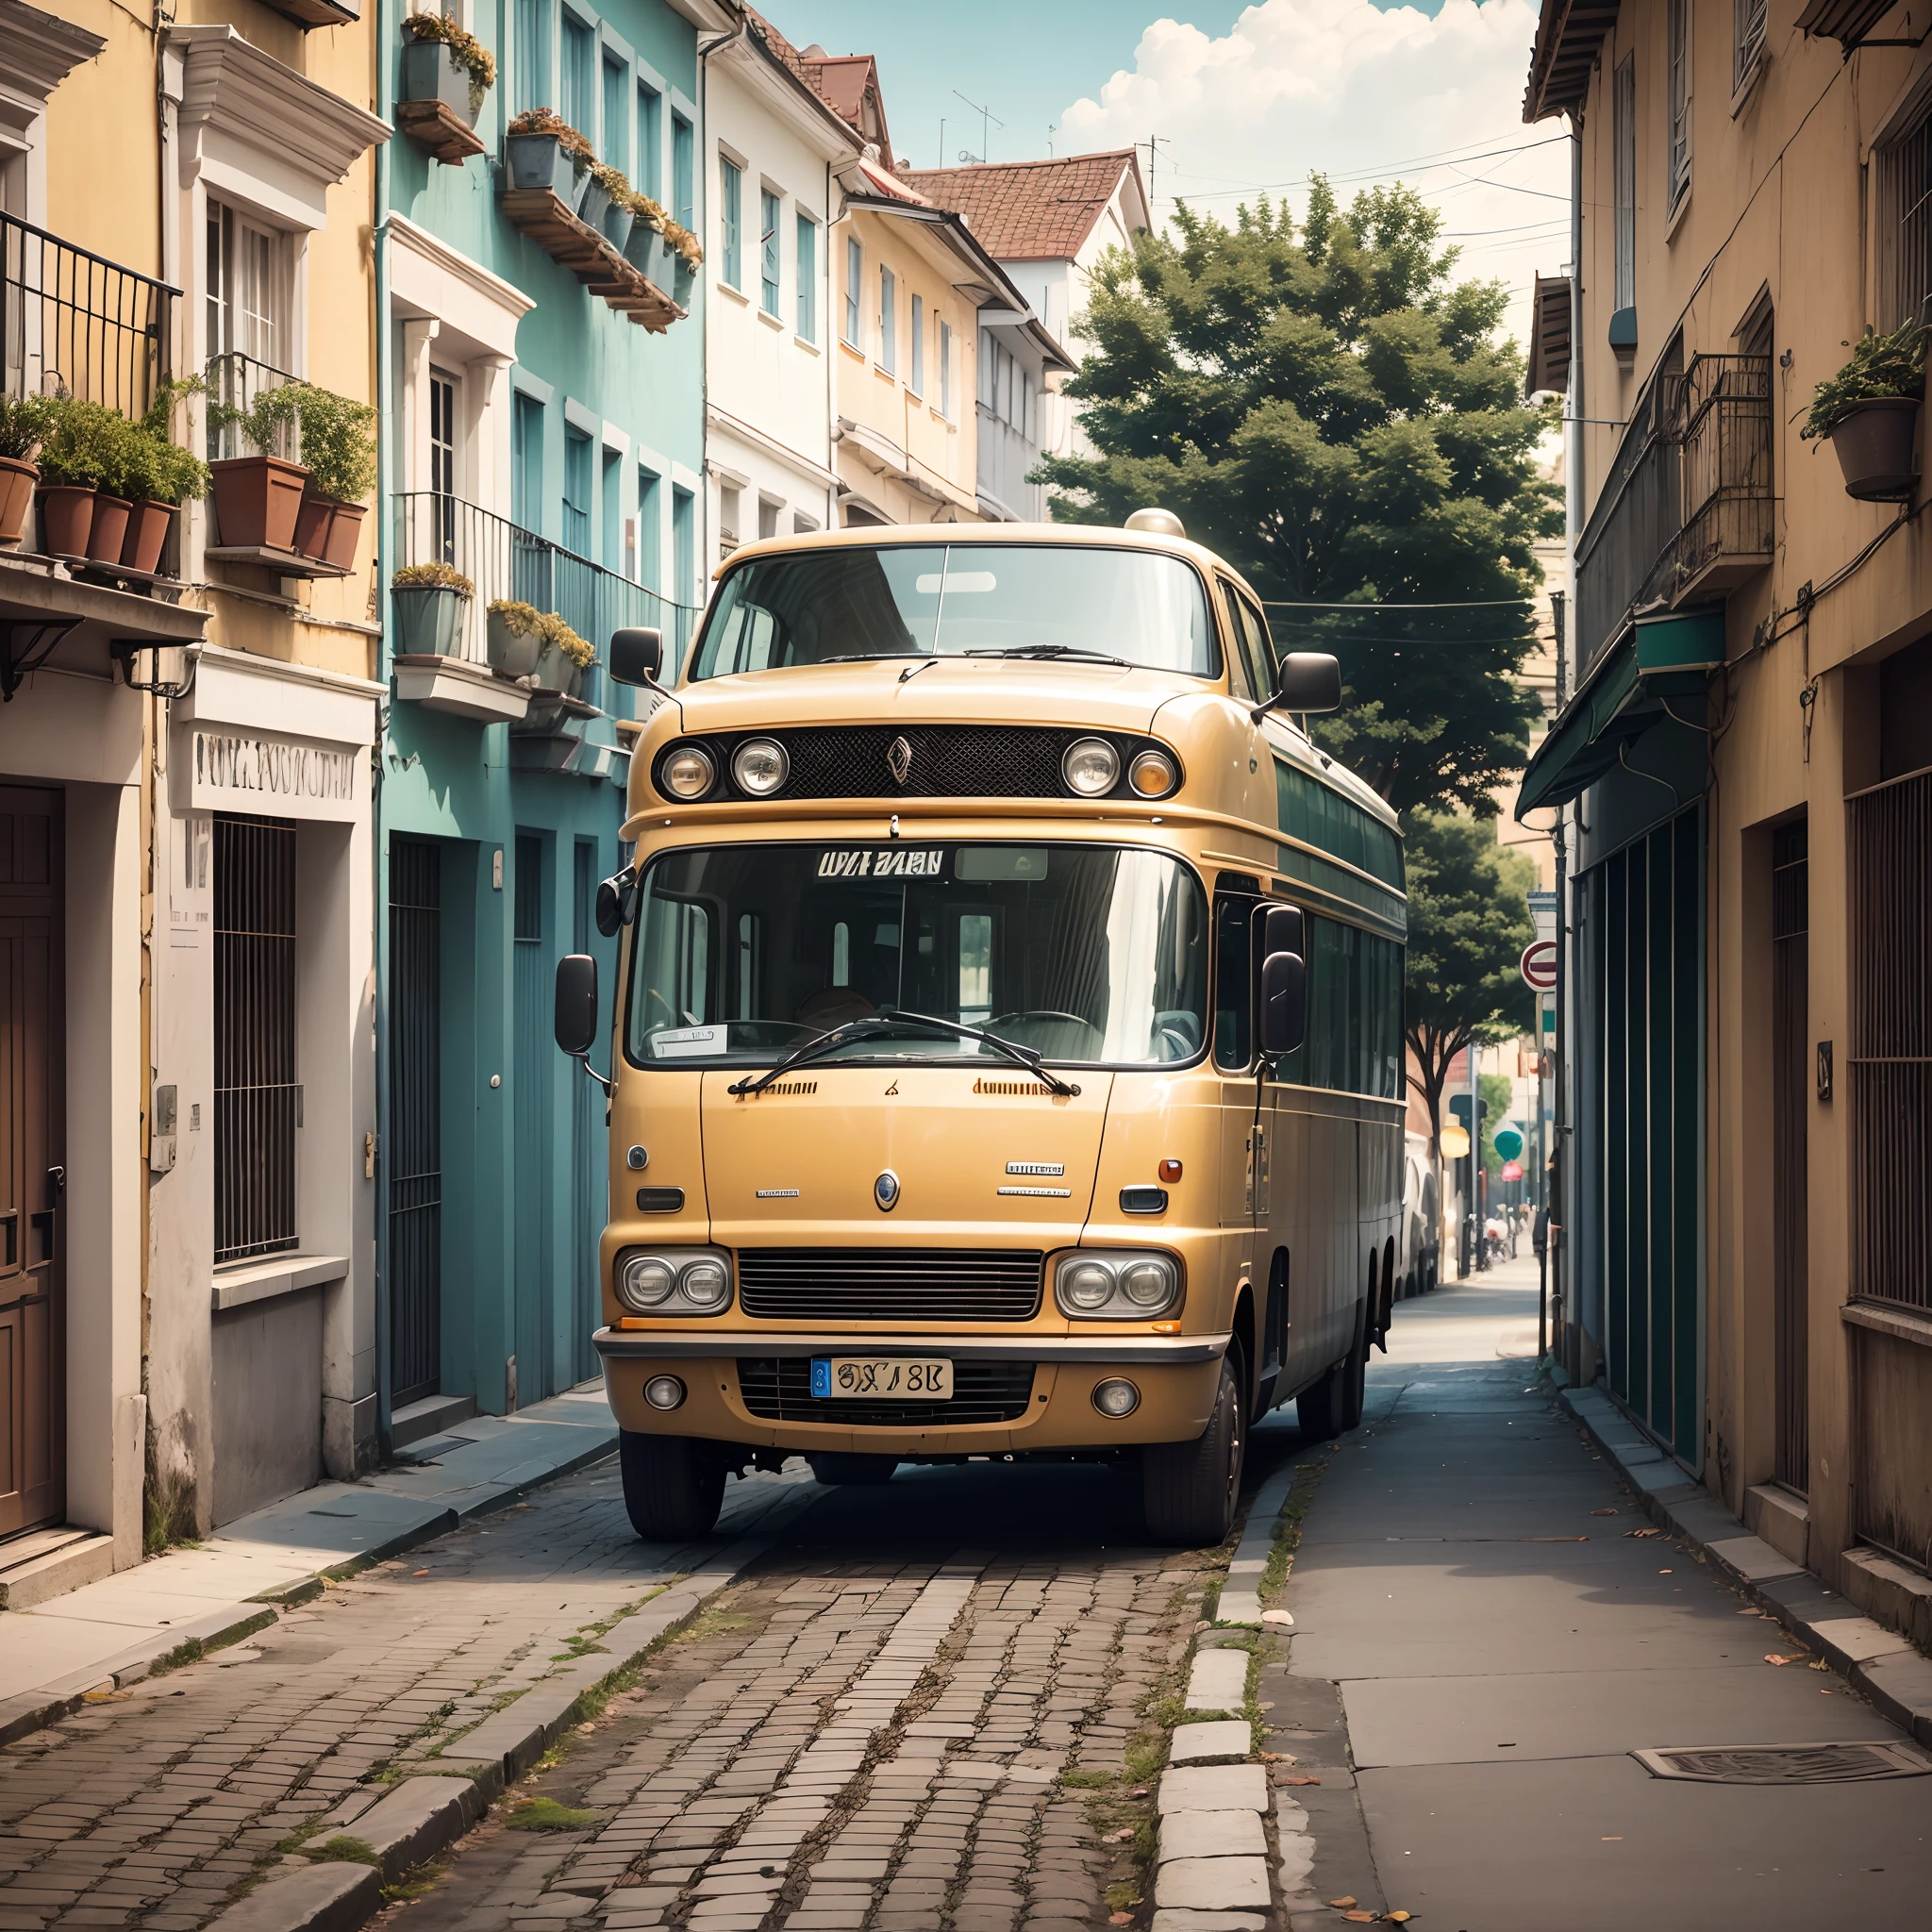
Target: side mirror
<point>1311,681</point>
<point>1284,1002</point>
<point>1281,931</point>
<point>617,902</point>
<point>637,654</point>
<point>577,1004</point>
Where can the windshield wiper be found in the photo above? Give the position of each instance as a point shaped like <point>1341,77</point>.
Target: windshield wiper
<point>1073,651</point>
<point>880,1026</point>
<point>871,657</point>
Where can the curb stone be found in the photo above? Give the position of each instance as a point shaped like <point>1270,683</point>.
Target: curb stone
<point>1879,1662</point>
<point>430,1810</point>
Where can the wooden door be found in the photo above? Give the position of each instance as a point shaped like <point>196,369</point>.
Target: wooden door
<point>33,1433</point>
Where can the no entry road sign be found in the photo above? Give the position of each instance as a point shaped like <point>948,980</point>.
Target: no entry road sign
<point>1539,965</point>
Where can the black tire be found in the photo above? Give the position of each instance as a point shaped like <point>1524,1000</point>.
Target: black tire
<point>673,1486</point>
<point>833,1466</point>
<point>1188,1490</point>
<point>1319,1408</point>
<point>1355,1373</point>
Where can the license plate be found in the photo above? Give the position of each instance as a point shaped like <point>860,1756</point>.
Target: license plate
<point>850,1377</point>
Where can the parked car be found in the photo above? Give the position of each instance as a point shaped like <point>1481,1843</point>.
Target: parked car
<point>1418,1260</point>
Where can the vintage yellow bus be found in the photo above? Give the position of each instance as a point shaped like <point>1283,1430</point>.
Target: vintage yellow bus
<point>1007,1052</point>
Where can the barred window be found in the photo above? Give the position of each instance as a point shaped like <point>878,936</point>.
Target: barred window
<point>1905,224</point>
<point>1623,131</point>
<point>1680,101</point>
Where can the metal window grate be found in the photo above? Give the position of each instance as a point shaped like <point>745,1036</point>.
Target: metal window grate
<point>1905,224</point>
<point>258,1100</point>
<point>1891,1065</point>
<point>414,1154</point>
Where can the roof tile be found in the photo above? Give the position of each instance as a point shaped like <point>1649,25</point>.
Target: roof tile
<point>1028,210</point>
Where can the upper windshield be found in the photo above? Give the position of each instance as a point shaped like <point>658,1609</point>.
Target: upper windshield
<point>1084,955</point>
<point>955,600</point>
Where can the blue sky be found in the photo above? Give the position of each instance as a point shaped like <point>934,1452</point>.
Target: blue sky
<point>1245,97</point>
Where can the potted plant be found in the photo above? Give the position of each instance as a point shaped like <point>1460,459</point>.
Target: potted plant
<point>616,215</point>
<point>443,63</point>
<point>338,451</point>
<point>543,150</point>
<point>258,499</point>
<point>563,656</point>
<point>1870,411</point>
<point>123,476</point>
<point>514,637</point>
<point>24,423</point>
<point>687,253</point>
<point>430,599</point>
<point>645,248</point>
<point>161,476</point>
<point>84,447</point>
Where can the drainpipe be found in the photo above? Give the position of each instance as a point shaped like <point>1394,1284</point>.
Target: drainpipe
<point>384,483</point>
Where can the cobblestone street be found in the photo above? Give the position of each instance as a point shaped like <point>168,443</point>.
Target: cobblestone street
<point>870,1727</point>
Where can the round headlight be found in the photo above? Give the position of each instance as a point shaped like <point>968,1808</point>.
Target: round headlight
<point>688,773</point>
<point>704,1284</point>
<point>1088,1285</point>
<point>1091,767</point>
<point>664,1392</point>
<point>644,1282</point>
<point>1152,773</point>
<point>1116,1398</point>
<point>760,765</point>
<point>1147,1284</point>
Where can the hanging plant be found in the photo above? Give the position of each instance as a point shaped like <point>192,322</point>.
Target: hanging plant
<point>1881,369</point>
<point>542,121</point>
<point>465,49</point>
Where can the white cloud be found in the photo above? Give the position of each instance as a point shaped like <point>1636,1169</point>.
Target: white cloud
<point>1352,91</point>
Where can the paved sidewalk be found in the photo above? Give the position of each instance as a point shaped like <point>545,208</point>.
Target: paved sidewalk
<point>107,1635</point>
<point>1488,1624</point>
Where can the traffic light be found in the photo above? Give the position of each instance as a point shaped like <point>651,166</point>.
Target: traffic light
<point>1458,1105</point>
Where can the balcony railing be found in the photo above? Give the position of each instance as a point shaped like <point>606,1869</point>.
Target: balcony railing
<point>1685,514</point>
<point>234,382</point>
<point>505,561</point>
<point>74,322</point>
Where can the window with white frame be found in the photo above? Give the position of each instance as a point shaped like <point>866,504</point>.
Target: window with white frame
<point>730,223</point>
<point>808,272</point>
<point>616,128</point>
<point>1623,143</point>
<point>247,287</point>
<point>1679,57</point>
<point>769,247</point>
<point>683,171</point>
<point>855,283</point>
<point>889,305</point>
<point>1748,18</point>
<point>578,100</point>
<point>917,378</point>
<point>1905,223</point>
<point>650,174</point>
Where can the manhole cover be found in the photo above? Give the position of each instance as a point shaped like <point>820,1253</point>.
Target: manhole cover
<point>1784,1764</point>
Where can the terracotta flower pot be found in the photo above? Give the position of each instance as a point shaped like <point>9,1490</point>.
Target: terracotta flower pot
<point>109,529</point>
<point>147,532</point>
<point>258,500</point>
<point>312,527</point>
<point>511,652</point>
<point>344,534</point>
<point>17,479</point>
<point>67,514</point>
<point>1873,443</point>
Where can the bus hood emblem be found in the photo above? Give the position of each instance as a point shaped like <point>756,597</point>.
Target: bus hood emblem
<point>899,760</point>
<point>885,1191</point>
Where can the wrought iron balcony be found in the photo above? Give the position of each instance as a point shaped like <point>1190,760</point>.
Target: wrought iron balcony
<point>1685,514</point>
<point>505,561</point>
<point>73,323</point>
<point>235,381</point>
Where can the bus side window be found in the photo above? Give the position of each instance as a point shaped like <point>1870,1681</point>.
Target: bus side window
<point>1260,645</point>
<point>1234,999</point>
<point>1241,663</point>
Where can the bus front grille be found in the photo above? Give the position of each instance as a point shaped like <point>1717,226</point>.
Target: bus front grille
<point>940,762</point>
<point>780,1391</point>
<point>890,1284</point>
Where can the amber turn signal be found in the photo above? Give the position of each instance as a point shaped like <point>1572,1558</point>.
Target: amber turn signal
<point>1170,1171</point>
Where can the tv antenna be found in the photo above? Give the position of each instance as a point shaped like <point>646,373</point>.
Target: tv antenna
<point>986,116</point>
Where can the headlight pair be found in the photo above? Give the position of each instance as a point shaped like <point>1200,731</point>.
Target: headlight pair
<point>759,767</point>
<point>673,1281</point>
<point>1091,768</point>
<point>1116,1285</point>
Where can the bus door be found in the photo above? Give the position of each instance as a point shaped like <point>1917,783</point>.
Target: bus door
<point>1244,1142</point>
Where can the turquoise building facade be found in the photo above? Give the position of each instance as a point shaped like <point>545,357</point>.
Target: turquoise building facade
<point>544,441</point>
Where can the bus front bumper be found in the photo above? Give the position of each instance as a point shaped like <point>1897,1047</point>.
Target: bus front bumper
<point>1176,1376</point>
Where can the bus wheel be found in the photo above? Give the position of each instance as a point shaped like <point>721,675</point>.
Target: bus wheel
<point>673,1485</point>
<point>1355,1373</point>
<point>832,1466</point>
<point>1188,1490</point>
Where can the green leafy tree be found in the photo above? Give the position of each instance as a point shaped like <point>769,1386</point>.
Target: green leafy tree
<point>1334,415</point>
<point>1468,924</point>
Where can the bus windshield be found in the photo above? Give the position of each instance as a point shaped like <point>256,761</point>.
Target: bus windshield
<point>920,600</point>
<point>1084,955</point>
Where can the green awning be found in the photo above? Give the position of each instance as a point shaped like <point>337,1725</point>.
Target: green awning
<point>1656,658</point>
